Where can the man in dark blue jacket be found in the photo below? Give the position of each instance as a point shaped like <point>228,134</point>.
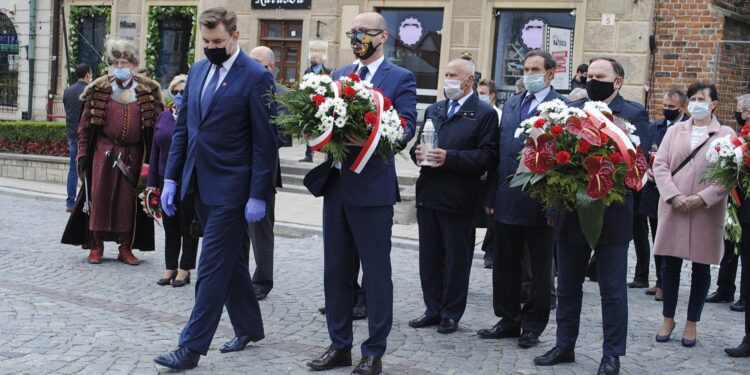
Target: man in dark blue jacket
<point>674,107</point>
<point>73,108</point>
<point>520,221</point>
<point>448,192</point>
<point>605,78</point>
<point>358,210</point>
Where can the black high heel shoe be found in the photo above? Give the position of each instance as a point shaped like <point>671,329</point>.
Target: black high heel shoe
<point>180,283</point>
<point>168,281</point>
<point>660,338</point>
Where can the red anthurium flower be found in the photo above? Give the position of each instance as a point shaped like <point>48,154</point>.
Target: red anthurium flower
<point>634,177</point>
<point>539,123</point>
<point>318,99</point>
<point>355,77</point>
<point>539,153</point>
<point>600,170</point>
<point>615,157</point>
<point>387,104</point>
<point>736,142</point>
<point>585,129</point>
<point>153,202</point>
<point>371,118</point>
<point>746,161</point>
<point>562,157</point>
<point>350,91</point>
<point>603,137</point>
<point>583,147</point>
<point>557,130</point>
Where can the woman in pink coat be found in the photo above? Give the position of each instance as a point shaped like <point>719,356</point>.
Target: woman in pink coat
<point>691,213</point>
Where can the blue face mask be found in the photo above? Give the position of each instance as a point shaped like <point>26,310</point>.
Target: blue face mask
<point>177,101</point>
<point>122,73</point>
<point>485,98</point>
<point>534,82</point>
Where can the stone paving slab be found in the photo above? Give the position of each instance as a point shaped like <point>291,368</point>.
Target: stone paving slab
<point>60,315</point>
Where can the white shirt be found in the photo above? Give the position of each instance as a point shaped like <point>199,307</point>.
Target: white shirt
<point>371,69</point>
<point>538,97</point>
<point>222,71</point>
<point>696,135</point>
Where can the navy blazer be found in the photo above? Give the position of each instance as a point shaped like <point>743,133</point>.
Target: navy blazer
<point>233,147</point>
<point>376,185</point>
<point>470,139</point>
<point>618,218</point>
<point>513,205</point>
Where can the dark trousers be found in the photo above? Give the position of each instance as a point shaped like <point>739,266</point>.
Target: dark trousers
<point>745,279</point>
<point>653,223</point>
<point>700,281</point>
<point>223,279</point>
<point>728,272</point>
<point>611,262</point>
<point>262,240</point>
<point>177,234</point>
<point>507,275</point>
<point>72,183</point>
<point>368,230</point>
<point>446,250</point>
<point>640,242</point>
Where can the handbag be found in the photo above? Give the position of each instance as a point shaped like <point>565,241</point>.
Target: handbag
<point>692,154</point>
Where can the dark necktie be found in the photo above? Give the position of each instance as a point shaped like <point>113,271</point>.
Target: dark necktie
<point>210,90</point>
<point>526,105</point>
<point>453,108</point>
<point>363,72</point>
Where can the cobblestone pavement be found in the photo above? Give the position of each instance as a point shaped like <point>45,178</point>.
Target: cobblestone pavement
<point>60,315</point>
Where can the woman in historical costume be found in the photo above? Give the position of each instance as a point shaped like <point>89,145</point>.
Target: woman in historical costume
<point>176,228</point>
<point>114,139</point>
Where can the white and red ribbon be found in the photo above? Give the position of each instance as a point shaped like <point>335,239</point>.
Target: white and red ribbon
<point>619,137</point>
<point>372,141</point>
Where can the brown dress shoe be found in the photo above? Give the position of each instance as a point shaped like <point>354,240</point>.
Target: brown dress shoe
<point>658,296</point>
<point>96,255</point>
<point>332,358</point>
<point>368,366</point>
<point>126,256</point>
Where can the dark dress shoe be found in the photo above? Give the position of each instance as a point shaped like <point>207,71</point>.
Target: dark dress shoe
<point>637,284</point>
<point>650,291</point>
<point>238,343</point>
<point>359,312</point>
<point>609,366</point>
<point>688,343</point>
<point>741,351</point>
<point>168,281</point>
<point>447,326</point>
<point>322,310</point>
<point>180,283</point>
<point>368,366</point>
<point>489,261</point>
<point>554,356</point>
<point>498,331</point>
<point>181,358</point>
<point>719,297</point>
<point>424,321</point>
<point>528,339</point>
<point>260,293</point>
<point>738,306</point>
<point>332,358</point>
<point>665,338</point>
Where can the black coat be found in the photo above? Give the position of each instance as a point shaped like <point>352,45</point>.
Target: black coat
<point>470,138</point>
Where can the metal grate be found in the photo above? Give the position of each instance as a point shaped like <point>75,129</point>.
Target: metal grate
<point>9,61</point>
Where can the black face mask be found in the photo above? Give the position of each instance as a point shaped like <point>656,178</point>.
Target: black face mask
<point>363,51</point>
<point>738,116</point>
<point>598,90</point>
<point>671,114</point>
<point>216,56</point>
<point>582,79</point>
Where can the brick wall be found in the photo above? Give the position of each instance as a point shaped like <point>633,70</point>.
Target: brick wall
<point>688,33</point>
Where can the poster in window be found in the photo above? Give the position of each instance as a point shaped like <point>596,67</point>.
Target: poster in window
<point>559,43</point>
<point>410,31</point>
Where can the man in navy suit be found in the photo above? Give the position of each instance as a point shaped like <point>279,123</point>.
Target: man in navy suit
<point>605,78</point>
<point>447,195</point>
<point>224,150</point>
<point>358,211</point>
<point>520,221</point>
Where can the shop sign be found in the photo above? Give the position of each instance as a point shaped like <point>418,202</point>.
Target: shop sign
<point>281,4</point>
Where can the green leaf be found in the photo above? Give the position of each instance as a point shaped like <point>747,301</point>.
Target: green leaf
<point>590,216</point>
<point>521,179</point>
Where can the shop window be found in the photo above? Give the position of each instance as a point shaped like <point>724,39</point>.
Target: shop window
<point>8,64</point>
<point>284,38</point>
<point>414,44</point>
<point>519,31</point>
<point>92,30</point>
<point>174,43</point>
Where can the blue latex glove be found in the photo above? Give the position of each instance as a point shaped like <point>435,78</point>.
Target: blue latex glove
<point>255,210</point>
<point>167,198</point>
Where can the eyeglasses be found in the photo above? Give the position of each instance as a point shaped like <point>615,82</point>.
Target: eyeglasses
<point>359,32</point>
<point>175,92</point>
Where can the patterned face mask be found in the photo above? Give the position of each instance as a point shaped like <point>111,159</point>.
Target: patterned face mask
<point>361,43</point>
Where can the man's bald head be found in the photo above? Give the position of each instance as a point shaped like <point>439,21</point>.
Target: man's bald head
<point>263,55</point>
<point>462,66</point>
<point>374,20</point>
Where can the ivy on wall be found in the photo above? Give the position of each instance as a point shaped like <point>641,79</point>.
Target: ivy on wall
<point>77,15</point>
<point>157,13</point>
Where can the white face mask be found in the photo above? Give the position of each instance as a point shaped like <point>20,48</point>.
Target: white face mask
<point>699,110</point>
<point>534,82</point>
<point>453,89</point>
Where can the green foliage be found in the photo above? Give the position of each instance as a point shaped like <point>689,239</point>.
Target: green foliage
<point>157,13</point>
<point>77,15</point>
<point>15,131</point>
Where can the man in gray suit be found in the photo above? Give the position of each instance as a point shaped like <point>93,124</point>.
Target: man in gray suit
<point>73,108</point>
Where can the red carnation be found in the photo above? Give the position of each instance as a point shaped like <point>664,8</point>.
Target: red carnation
<point>350,91</point>
<point>746,128</point>
<point>603,137</point>
<point>378,90</point>
<point>153,202</point>
<point>318,99</point>
<point>746,161</point>
<point>371,118</point>
<point>354,77</point>
<point>736,142</point>
<point>387,104</point>
<point>557,130</point>
<point>616,157</point>
<point>562,157</point>
<point>403,122</point>
<point>158,214</point>
<point>583,147</point>
<point>539,123</point>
